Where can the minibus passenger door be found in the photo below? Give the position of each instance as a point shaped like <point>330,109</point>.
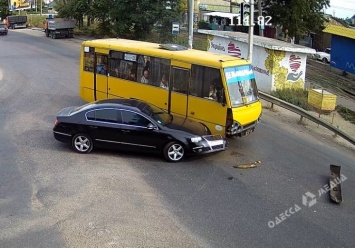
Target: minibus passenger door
<point>101,76</point>
<point>207,100</point>
<point>178,88</point>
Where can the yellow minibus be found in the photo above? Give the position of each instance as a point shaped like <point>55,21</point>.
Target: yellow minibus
<point>216,90</point>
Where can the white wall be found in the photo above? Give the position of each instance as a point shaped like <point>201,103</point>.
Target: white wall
<point>273,69</point>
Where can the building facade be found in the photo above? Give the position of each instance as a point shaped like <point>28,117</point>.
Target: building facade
<point>342,55</point>
<point>276,64</point>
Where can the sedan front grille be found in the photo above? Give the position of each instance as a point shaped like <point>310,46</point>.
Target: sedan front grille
<point>212,137</point>
<point>217,147</point>
<point>215,142</point>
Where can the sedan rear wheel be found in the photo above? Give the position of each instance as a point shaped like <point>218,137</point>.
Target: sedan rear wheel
<point>174,152</point>
<point>82,143</point>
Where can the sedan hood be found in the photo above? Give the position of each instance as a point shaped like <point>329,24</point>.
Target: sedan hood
<point>187,125</point>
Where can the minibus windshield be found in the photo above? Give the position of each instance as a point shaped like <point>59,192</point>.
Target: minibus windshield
<point>241,84</point>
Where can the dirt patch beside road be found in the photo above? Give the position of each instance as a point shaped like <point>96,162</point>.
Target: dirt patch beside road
<point>319,132</point>
<point>343,87</point>
<point>318,77</point>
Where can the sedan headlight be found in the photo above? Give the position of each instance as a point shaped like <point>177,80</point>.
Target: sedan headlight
<point>196,139</point>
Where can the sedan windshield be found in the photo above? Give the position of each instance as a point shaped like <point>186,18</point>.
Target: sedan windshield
<point>162,118</point>
<point>241,85</point>
<point>157,114</point>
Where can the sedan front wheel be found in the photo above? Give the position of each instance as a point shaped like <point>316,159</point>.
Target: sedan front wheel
<point>82,143</point>
<point>174,152</point>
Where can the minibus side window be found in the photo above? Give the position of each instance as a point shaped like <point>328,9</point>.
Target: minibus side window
<point>206,83</point>
<point>114,64</point>
<point>126,69</point>
<point>180,80</point>
<point>123,65</point>
<point>133,67</point>
<point>158,68</point>
<point>101,64</point>
<point>89,60</point>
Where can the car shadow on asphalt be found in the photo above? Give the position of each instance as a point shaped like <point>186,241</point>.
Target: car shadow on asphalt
<point>149,157</point>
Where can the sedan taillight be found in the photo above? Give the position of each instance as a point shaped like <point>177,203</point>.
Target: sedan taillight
<point>56,122</point>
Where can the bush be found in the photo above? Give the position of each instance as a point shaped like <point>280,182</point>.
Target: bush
<point>199,41</point>
<point>203,25</point>
<point>346,113</point>
<point>36,20</point>
<point>93,30</point>
<point>296,97</point>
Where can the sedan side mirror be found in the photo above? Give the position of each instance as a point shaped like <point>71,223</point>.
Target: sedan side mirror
<point>150,126</point>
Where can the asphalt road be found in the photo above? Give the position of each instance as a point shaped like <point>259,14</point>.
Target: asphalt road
<point>53,197</point>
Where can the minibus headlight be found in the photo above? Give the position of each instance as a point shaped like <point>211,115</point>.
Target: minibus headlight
<point>196,139</point>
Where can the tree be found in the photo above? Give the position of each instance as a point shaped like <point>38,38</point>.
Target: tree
<point>298,17</point>
<point>76,9</point>
<point>168,16</point>
<point>136,18</point>
<point>133,19</point>
<point>4,9</point>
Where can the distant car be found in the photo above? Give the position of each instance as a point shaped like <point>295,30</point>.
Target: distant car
<point>3,29</point>
<point>323,56</point>
<point>134,125</point>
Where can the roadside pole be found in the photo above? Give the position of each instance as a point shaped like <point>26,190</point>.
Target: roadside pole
<point>260,13</point>
<point>191,22</point>
<point>251,30</point>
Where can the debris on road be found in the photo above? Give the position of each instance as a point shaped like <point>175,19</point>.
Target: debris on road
<point>334,184</point>
<point>247,166</point>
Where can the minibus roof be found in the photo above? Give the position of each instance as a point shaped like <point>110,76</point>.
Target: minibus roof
<point>154,49</point>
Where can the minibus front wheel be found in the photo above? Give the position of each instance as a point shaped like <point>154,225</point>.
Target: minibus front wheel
<point>232,130</point>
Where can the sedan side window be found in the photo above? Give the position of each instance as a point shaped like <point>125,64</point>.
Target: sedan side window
<point>131,118</point>
<point>106,115</point>
<point>90,115</point>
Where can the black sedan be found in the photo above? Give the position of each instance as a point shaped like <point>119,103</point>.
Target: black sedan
<point>134,125</point>
<point>3,29</point>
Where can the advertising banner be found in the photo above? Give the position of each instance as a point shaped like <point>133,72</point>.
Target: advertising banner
<point>21,4</point>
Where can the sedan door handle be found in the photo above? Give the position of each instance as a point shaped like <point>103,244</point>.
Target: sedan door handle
<point>125,131</point>
<point>92,127</point>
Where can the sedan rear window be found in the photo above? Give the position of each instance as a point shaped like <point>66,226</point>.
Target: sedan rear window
<point>104,115</point>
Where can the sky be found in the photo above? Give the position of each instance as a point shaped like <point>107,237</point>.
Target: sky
<point>341,8</point>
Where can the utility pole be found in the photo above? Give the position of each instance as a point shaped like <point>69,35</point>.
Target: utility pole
<point>41,7</point>
<point>260,13</point>
<point>230,6</point>
<point>191,22</point>
<point>251,30</point>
